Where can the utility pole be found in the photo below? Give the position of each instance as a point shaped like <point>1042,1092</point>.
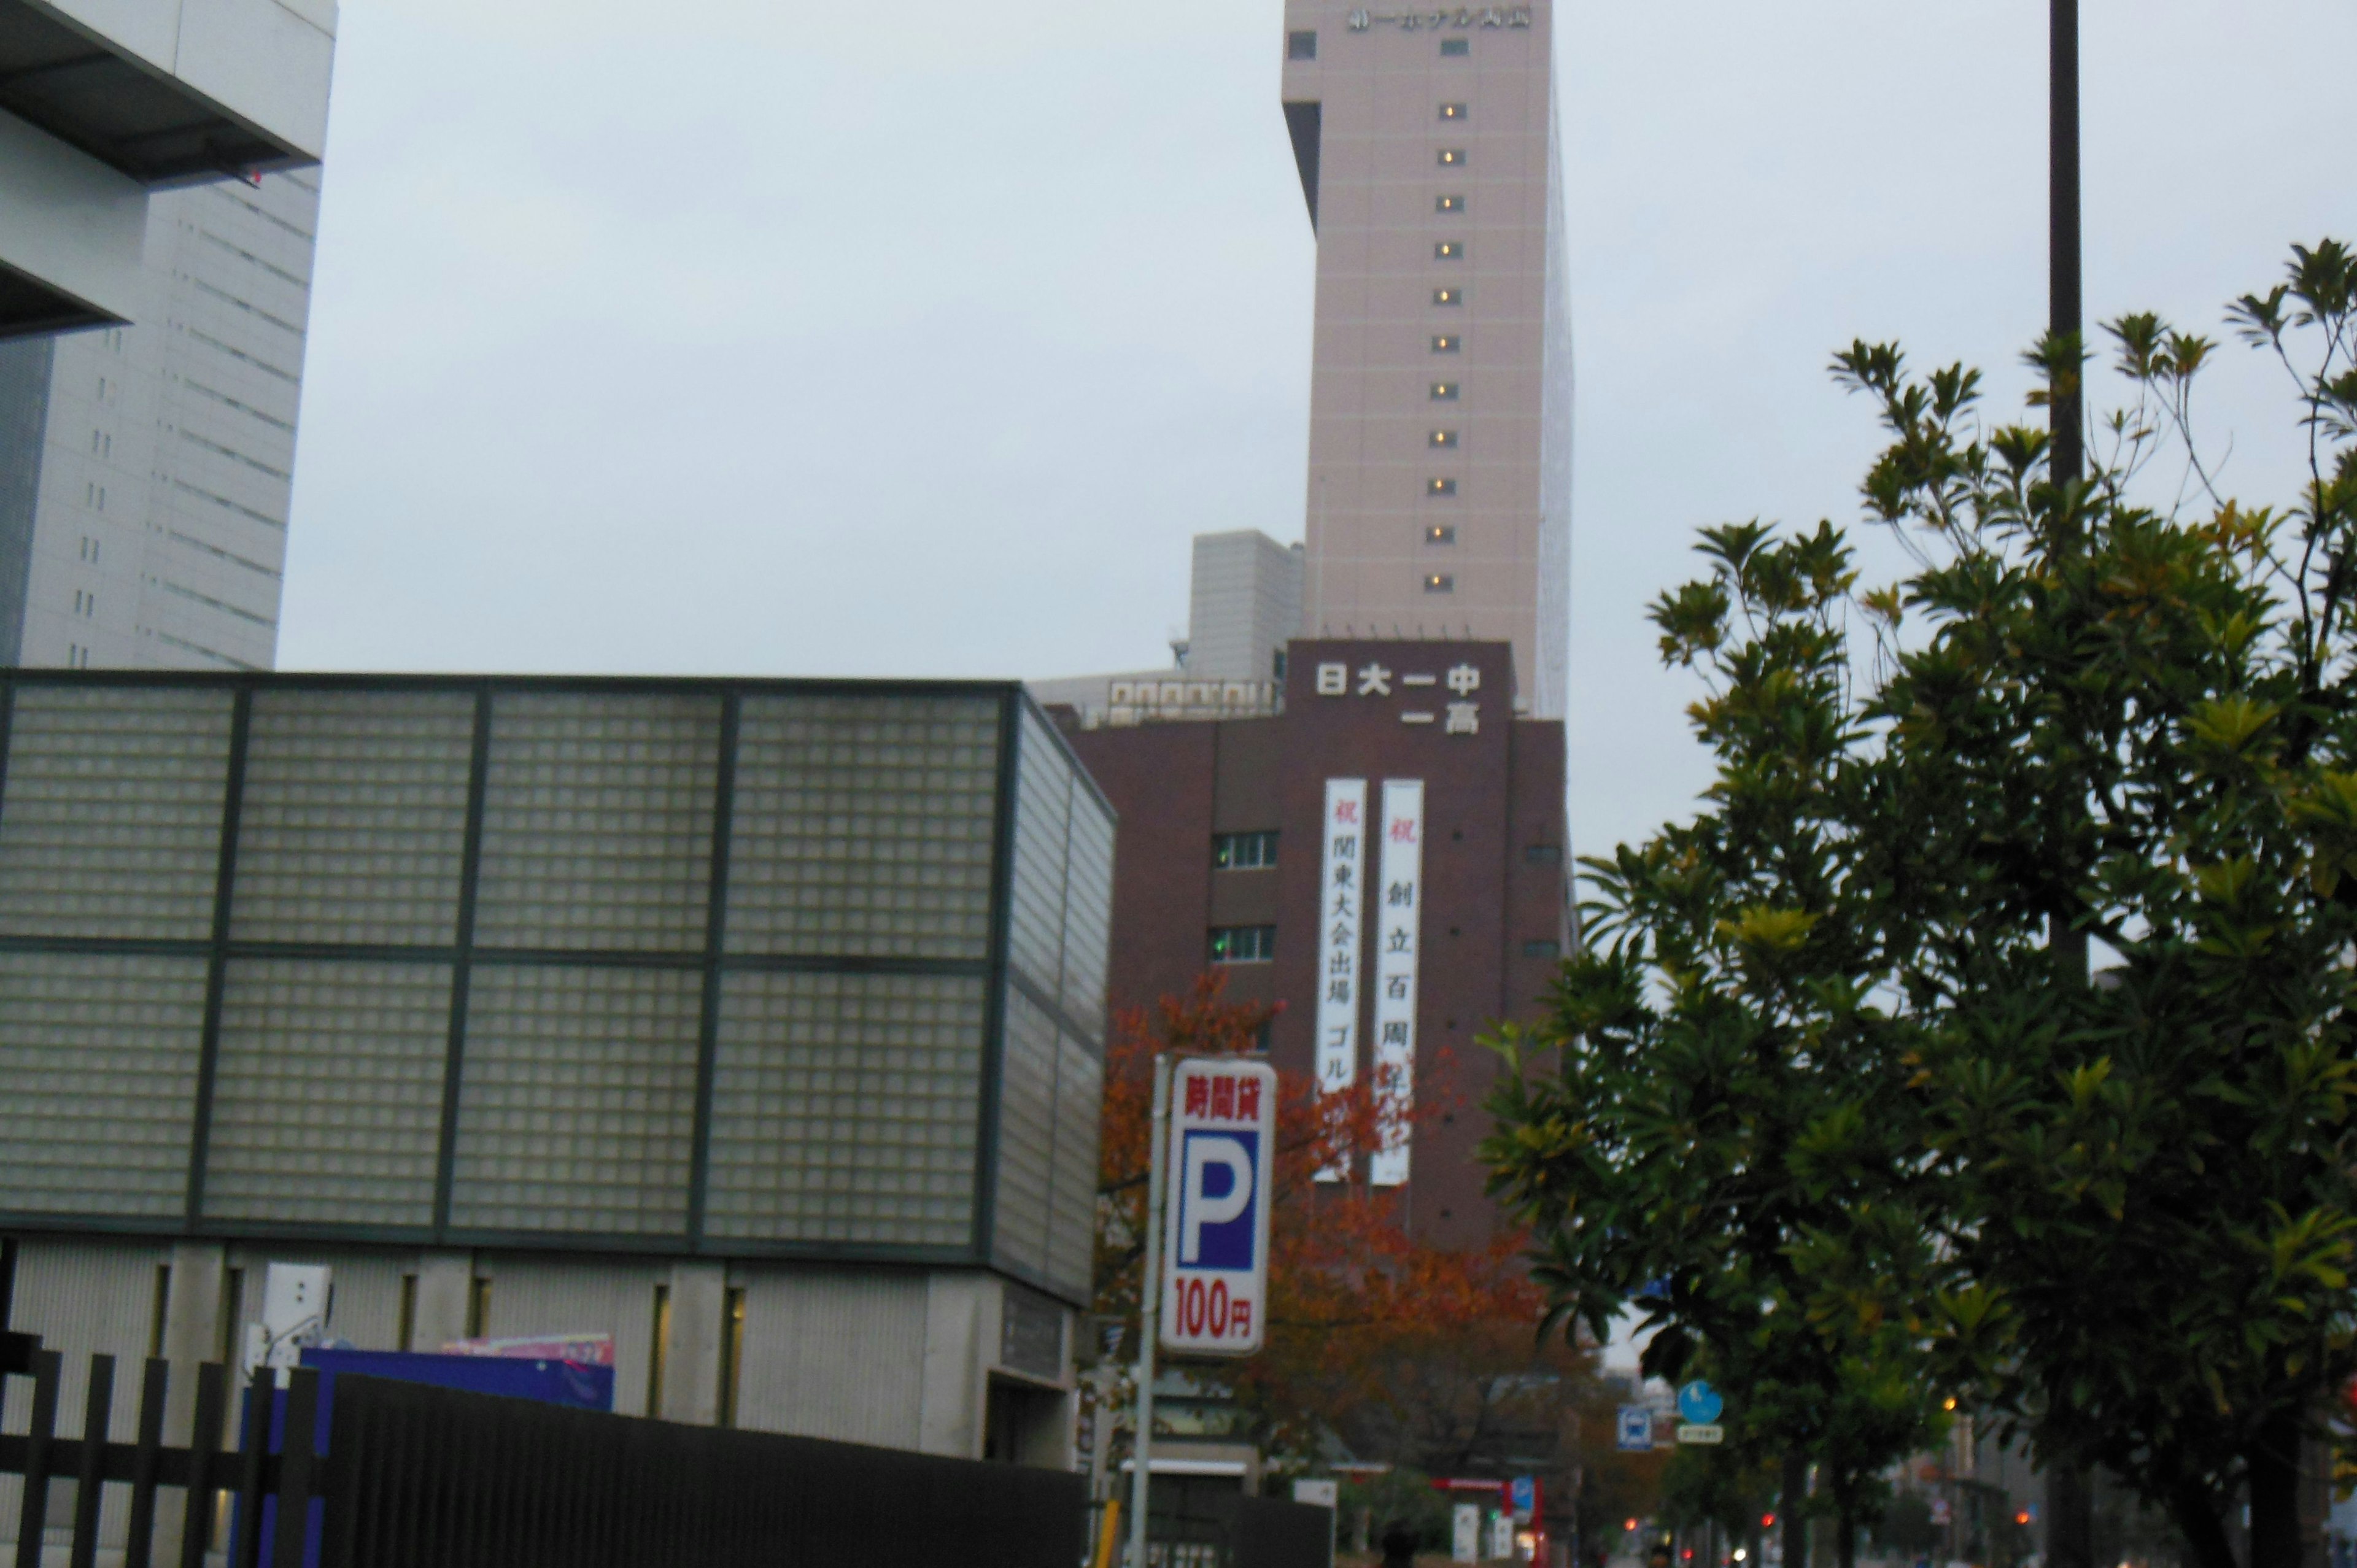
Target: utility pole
<point>2070,1485</point>
<point>2065,306</point>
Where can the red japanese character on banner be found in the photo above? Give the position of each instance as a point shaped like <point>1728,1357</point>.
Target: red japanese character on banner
<point>1403,831</point>
<point>1199,1096</point>
<point>1346,811</point>
<point>1223,1099</point>
<point>1248,1101</point>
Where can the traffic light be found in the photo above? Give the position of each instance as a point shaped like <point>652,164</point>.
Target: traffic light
<point>2022,1517</point>
<point>1767,1522</point>
<point>1630,1526</point>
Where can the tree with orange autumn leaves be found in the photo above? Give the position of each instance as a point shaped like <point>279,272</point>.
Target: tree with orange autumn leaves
<point>1407,1353</point>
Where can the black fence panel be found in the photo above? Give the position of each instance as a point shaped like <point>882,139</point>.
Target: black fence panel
<point>1274,1534</point>
<point>420,1475</point>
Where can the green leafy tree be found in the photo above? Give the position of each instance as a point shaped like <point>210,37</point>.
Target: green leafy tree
<point>2135,723</point>
<point>1713,1127</point>
<point>1829,1103</point>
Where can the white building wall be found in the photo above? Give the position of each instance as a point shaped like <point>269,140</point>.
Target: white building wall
<point>168,470</point>
<point>834,1354</point>
<point>1244,605</point>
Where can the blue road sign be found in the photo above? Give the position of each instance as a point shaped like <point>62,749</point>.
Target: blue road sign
<point>1700,1403</point>
<point>1636,1428</point>
<point>1522,1494</point>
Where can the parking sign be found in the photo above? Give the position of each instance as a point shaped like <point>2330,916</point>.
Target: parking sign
<point>1215,1243</point>
<point>1636,1428</point>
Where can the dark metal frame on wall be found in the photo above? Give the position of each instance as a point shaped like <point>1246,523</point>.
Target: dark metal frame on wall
<point>464,957</point>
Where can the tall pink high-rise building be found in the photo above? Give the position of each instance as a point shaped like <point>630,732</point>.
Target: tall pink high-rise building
<point>1440,497</point>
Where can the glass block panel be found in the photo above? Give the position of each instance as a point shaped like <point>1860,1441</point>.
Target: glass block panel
<point>1026,1135</point>
<point>578,1108</point>
<point>864,826</point>
<point>354,823</point>
<point>1088,910</point>
<point>111,818</point>
<point>327,1105</point>
<point>1073,1178</point>
<point>597,821</point>
<point>99,1055</point>
<point>846,1109</point>
<point>1043,815</point>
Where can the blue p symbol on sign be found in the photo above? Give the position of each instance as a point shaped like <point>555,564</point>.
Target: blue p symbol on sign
<point>1218,1188</point>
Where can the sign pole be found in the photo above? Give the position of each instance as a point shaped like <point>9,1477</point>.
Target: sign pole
<point>1149,1315</point>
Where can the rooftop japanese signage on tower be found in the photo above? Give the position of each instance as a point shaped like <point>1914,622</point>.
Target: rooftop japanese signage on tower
<point>1449,700</point>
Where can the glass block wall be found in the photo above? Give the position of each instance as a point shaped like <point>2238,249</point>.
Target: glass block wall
<point>750,968</point>
<point>1051,1084</point>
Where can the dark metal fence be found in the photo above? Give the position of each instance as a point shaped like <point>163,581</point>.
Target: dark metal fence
<point>1205,1523</point>
<point>1274,1534</point>
<point>411,1475</point>
<point>424,1475</point>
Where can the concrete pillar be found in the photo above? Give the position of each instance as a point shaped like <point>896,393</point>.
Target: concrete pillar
<point>195,1308</point>
<point>950,1419</point>
<point>691,1380</point>
<point>445,1284</point>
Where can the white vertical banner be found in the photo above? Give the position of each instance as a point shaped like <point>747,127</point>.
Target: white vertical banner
<point>1397,902</point>
<point>1342,935</point>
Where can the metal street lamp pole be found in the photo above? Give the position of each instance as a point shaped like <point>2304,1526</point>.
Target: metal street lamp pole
<point>2069,1486</point>
<point>2065,307</point>
<point>1149,1317</point>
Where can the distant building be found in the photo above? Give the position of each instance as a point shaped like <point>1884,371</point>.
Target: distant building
<point>1243,605</point>
<point>147,471</point>
<point>1385,855</point>
<point>756,1024</point>
<point>1440,429</point>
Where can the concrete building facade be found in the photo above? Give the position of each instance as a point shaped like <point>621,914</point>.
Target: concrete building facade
<point>757,1025</point>
<point>1231,851</point>
<point>147,471</point>
<point>103,101</point>
<point>1439,493</point>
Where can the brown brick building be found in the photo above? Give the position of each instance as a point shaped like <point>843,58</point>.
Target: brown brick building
<point>1230,854</point>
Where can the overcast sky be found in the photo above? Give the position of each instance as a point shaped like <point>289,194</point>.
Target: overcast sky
<point>906,336</point>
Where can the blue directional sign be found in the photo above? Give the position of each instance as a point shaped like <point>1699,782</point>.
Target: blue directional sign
<point>1700,1403</point>
<point>1636,1428</point>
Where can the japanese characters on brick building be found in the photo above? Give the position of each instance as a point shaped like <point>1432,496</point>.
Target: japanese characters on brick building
<point>1459,714</point>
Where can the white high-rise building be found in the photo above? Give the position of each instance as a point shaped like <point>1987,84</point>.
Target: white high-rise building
<point>153,212</point>
<point>149,510</point>
<point>1440,497</point>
